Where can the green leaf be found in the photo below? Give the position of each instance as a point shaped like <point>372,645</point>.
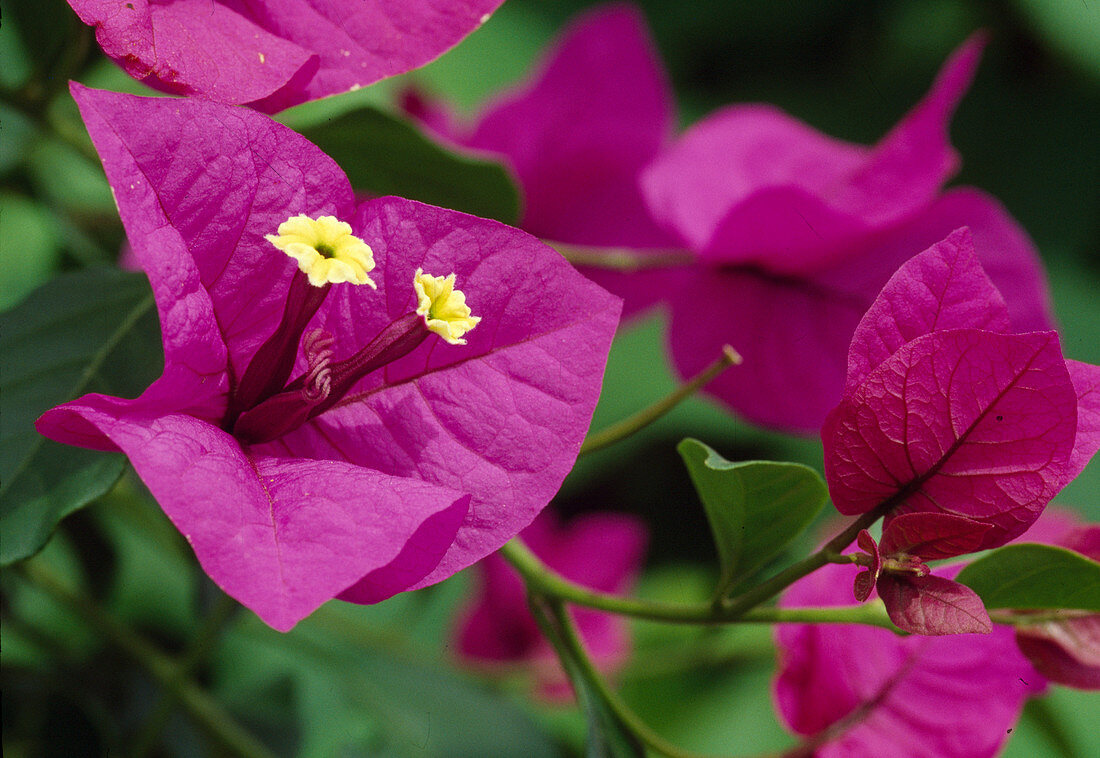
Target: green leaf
<point>91,331</point>
<point>362,690</point>
<point>386,155</point>
<point>45,30</point>
<point>1070,26</point>
<point>755,508</point>
<point>1027,576</point>
<point>31,247</point>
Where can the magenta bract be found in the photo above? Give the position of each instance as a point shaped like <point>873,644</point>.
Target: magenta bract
<point>876,694</point>
<point>424,465</point>
<point>272,54</point>
<point>943,413</point>
<point>578,135</point>
<point>796,232</point>
<point>918,602</point>
<point>602,551</point>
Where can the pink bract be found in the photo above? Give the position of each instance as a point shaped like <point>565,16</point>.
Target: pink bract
<point>602,551</point>
<point>427,464</point>
<point>869,693</point>
<point>272,54</point>
<point>578,135</point>
<point>944,413</point>
<point>796,232</point>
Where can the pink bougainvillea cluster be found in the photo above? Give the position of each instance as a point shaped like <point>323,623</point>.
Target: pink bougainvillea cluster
<point>422,466</point>
<point>782,236</point>
<point>314,438</point>
<point>956,431</point>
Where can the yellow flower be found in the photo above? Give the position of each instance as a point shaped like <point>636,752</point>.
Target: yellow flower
<point>443,307</point>
<point>325,249</point>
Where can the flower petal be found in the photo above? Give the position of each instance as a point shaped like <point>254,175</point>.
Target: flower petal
<point>501,417</point>
<point>792,335</point>
<point>1066,652</point>
<point>932,605</point>
<point>1086,383</point>
<point>599,110</point>
<point>932,536</point>
<point>782,325</point>
<point>731,155</point>
<point>211,180</point>
<point>751,185</point>
<point>279,54</point>
<point>194,47</point>
<point>961,421</point>
<point>942,288</point>
<point>878,694</point>
<point>916,155</point>
<point>280,535</point>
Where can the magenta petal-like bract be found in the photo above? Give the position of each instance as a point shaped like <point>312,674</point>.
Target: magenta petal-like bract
<point>932,605</point>
<point>443,454</point>
<point>880,695</point>
<point>945,413</point>
<point>578,135</point>
<point>797,232</point>
<point>281,535</point>
<point>932,292</point>
<point>602,551</point>
<point>933,536</point>
<point>275,53</point>
<point>961,421</point>
<point>1086,383</point>
<point>751,185</point>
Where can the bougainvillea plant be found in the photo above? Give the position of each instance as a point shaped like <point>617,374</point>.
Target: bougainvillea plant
<point>363,395</point>
<point>755,229</point>
<point>272,54</point>
<point>321,428</point>
<point>956,432</point>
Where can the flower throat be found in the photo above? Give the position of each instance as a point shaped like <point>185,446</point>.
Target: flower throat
<point>267,403</point>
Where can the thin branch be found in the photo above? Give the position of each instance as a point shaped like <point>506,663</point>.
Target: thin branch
<point>206,711</point>
<point>633,424</point>
<point>541,578</point>
<point>198,649</point>
<point>621,258</point>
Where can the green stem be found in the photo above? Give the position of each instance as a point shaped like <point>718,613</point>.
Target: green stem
<point>1028,618</point>
<point>206,711</point>
<point>543,580</point>
<point>746,601</point>
<point>632,424</point>
<point>621,258</point>
<point>196,651</point>
<point>563,635</point>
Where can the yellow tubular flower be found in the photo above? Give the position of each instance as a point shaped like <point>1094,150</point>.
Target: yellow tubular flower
<point>443,307</point>
<point>325,249</point>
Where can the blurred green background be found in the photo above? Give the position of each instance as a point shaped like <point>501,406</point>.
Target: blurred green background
<point>355,681</point>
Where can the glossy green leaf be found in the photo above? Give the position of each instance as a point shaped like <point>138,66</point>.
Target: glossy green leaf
<point>91,331</point>
<point>755,508</point>
<point>1030,576</point>
<point>386,155</point>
